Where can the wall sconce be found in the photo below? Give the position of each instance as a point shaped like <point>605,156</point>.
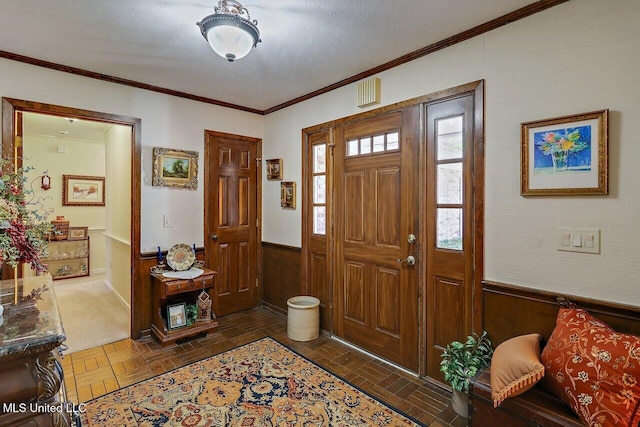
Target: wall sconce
<point>46,181</point>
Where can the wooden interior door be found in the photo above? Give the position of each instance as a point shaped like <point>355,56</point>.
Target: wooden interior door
<point>231,220</point>
<point>376,196</point>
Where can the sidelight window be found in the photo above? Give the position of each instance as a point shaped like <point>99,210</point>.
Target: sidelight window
<point>319,180</point>
<point>449,183</point>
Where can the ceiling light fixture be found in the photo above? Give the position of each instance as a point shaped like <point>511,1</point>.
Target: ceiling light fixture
<point>230,31</point>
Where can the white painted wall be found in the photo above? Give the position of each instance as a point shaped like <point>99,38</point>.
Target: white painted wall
<point>167,121</point>
<point>117,232</point>
<point>82,157</point>
<point>578,57</point>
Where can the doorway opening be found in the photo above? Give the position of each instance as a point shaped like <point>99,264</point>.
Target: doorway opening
<point>120,236</point>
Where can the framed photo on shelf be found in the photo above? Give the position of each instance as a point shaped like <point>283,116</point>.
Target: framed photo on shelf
<point>78,233</point>
<point>175,168</point>
<point>274,169</point>
<point>176,316</point>
<point>80,190</point>
<point>565,155</point>
<point>288,194</point>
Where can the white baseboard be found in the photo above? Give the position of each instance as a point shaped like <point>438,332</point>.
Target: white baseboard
<point>98,271</point>
<point>108,285</point>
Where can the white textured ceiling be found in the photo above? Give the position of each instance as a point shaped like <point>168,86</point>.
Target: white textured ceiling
<point>306,44</point>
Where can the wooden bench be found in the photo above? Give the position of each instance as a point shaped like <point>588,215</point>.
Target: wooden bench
<point>510,311</point>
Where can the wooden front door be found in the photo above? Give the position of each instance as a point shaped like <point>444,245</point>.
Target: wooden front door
<point>231,219</point>
<point>376,194</point>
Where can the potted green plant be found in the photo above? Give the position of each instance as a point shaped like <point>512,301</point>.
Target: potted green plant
<point>461,361</point>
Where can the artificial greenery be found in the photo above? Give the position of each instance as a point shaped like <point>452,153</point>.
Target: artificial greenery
<point>461,361</point>
<point>192,314</point>
<point>23,226</point>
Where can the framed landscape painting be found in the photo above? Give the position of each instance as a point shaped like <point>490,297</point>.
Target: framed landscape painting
<point>565,155</point>
<point>81,190</point>
<point>175,168</point>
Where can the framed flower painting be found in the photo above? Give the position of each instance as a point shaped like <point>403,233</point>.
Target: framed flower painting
<point>565,155</point>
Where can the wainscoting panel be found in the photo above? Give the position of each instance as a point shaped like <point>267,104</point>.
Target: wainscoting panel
<point>282,279</point>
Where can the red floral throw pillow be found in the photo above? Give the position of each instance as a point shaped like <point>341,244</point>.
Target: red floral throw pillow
<point>595,369</point>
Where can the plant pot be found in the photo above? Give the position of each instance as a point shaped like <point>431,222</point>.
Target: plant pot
<point>460,403</point>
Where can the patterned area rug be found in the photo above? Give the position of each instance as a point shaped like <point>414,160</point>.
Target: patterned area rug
<point>258,384</point>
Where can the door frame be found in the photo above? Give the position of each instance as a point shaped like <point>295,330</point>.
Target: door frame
<point>11,106</point>
<point>208,205</point>
<point>472,322</point>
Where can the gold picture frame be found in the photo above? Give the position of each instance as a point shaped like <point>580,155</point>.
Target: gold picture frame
<point>565,155</point>
<point>288,194</point>
<point>78,233</point>
<point>82,190</point>
<point>175,168</point>
<point>274,169</point>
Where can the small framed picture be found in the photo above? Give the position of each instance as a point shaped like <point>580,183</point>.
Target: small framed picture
<point>565,155</point>
<point>274,169</point>
<point>176,316</point>
<point>175,168</point>
<point>78,233</point>
<point>288,194</point>
<point>79,190</point>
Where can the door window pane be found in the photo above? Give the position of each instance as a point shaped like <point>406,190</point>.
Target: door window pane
<point>365,145</point>
<point>319,193</point>
<point>449,138</point>
<point>378,143</point>
<point>450,183</point>
<point>319,158</point>
<point>449,229</point>
<point>319,220</point>
<point>352,147</point>
<point>392,141</point>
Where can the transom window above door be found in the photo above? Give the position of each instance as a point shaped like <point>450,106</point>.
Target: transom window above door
<point>373,144</point>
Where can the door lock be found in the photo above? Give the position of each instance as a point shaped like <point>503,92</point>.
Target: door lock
<point>410,260</point>
<point>214,237</point>
<point>411,238</point>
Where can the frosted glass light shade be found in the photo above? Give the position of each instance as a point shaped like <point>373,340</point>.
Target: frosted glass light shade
<point>230,36</point>
<point>230,42</point>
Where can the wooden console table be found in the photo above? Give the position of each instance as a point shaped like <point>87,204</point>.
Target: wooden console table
<point>32,392</point>
<point>167,291</point>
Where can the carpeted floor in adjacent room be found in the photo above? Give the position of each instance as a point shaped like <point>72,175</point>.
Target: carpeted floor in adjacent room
<point>92,315</point>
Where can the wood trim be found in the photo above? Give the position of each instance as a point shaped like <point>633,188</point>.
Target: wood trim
<point>118,80</point>
<point>398,106</point>
<point>281,247</point>
<point>512,310</point>
<point>516,15</point>
<point>10,106</point>
<point>478,206</point>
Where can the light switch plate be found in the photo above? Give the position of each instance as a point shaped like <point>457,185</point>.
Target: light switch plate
<point>168,221</point>
<point>585,240</point>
